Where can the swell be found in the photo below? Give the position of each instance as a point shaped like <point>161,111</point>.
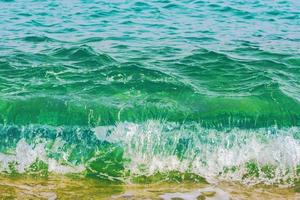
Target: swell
<point>244,71</point>
<point>210,112</point>
<point>79,85</point>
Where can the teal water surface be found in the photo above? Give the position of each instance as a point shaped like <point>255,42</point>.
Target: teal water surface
<point>125,90</point>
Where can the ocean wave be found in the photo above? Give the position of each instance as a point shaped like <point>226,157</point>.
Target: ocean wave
<point>82,52</point>
<point>139,92</point>
<point>38,39</point>
<point>127,151</point>
<point>107,110</point>
<point>203,71</point>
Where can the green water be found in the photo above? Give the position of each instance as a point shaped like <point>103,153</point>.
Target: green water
<point>132,90</point>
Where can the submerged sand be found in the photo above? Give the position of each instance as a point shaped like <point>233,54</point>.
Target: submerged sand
<point>83,188</point>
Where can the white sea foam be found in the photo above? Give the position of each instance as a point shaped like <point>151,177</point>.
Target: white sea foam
<point>208,152</point>
<point>25,155</point>
<point>205,193</point>
<point>270,156</point>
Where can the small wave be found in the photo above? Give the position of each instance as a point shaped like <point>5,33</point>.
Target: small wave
<point>38,39</point>
<point>91,39</point>
<point>83,52</point>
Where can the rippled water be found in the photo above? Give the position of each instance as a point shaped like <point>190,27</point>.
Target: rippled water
<point>124,89</point>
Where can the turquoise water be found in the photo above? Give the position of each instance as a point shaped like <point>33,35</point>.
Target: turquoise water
<point>128,89</point>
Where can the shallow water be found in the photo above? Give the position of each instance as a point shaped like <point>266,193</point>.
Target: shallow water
<point>82,188</point>
<point>132,91</point>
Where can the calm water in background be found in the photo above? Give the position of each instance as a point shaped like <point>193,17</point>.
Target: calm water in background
<point>127,89</point>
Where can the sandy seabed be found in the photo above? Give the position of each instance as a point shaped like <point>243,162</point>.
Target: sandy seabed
<point>83,188</point>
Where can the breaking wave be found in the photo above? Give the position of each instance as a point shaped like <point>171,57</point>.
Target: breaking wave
<point>154,150</point>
